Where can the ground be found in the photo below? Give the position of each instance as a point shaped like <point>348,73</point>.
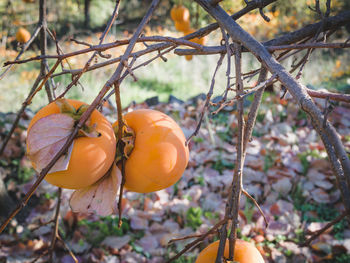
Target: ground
<point>286,170</point>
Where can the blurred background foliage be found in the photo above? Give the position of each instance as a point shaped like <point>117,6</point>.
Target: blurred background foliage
<point>86,19</point>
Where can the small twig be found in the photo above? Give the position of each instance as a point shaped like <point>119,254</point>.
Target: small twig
<point>257,205</point>
<point>253,112</point>
<point>324,229</point>
<point>70,252</point>
<point>128,68</point>
<point>206,103</point>
<point>258,87</point>
<point>56,221</point>
<point>41,224</point>
<point>228,70</point>
<point>42,254</point>
<point>81,42</point>
<point>173,240</point>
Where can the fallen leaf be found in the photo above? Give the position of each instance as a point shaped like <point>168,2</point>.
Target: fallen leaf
<point>116,242</point>
<point>46,138</point>
<point>283,186</point>
<point>320,196</point>
<point>100,197</point>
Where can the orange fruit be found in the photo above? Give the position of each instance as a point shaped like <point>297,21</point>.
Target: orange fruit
<point>179,13</point>
<point>188,57</point>
<point>22,35</point>
<point>91,157</point>
<point>245,252</point>
<point>160,155</point>
<point>182,26</point>
<point>197,40</point>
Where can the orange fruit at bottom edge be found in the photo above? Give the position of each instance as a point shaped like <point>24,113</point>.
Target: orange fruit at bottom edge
<point>245,252</point>
<point>160,155</point>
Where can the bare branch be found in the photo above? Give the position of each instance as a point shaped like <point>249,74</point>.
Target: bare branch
<point>206,103</point>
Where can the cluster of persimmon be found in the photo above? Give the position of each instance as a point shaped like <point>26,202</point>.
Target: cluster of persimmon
<point>181,17</point>
<point>154,147</point>
<point>156,157</point>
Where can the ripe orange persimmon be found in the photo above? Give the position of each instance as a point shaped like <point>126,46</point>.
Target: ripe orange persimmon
<point>179,13</point>
<point>160,155</point>
<point>182,26</point>
<point>197,40</point>
<point>22,35</point>
<point>91,157</point>
<point>245,252</point>
<point>188,57</point>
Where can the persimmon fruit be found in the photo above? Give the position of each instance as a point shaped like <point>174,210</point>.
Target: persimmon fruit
<point>182,26</point>
<point>245,252</point>
<point>188,57</point>
<point>159,156</point>
<point>22,35</point>
<point>197,40</point>
<point>91,157</point>
<point>179,13</point>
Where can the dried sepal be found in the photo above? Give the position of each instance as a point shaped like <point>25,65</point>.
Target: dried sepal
<point>128,142</point>
<point>99,198</point>
<point>46,137</point>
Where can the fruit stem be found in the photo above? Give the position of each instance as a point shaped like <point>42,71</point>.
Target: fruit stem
<point>121,148</point>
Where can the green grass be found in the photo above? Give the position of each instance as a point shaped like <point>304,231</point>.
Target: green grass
<point>106,226</point>
<point>193,217</point>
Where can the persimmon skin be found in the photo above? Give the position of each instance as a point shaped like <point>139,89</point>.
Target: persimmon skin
<point>182,26</point>
<point>160,155</point>
<point>179,13</point>
<point>188,57</point>
<point>245,252</point>
<point>91,157</point>
<point>22,35</point>
<point>197,40</point>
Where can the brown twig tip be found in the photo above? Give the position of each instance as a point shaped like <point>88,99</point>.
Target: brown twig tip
<point>257,205</point>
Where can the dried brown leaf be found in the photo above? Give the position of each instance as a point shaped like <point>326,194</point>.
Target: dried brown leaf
<point>100,197</point>
<point>46,137</point>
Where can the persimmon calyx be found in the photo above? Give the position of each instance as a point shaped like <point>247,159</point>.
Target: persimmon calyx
<point>126,144</point>
<point>87,130</point>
